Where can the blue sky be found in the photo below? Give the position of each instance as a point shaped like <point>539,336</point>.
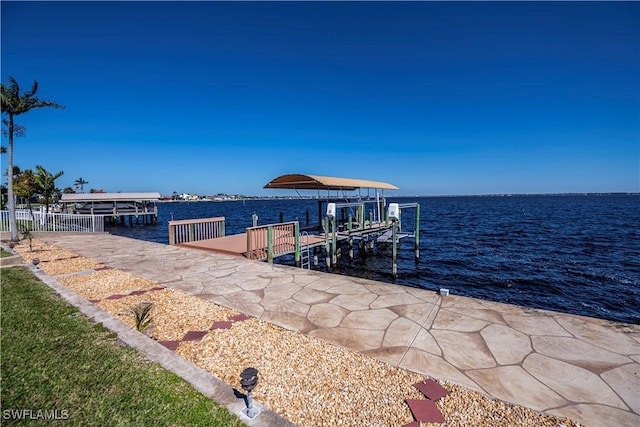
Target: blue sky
<point>434,97</point>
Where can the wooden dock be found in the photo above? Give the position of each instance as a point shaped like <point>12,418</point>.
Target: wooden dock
<point>267,242</point>
<point>365,221</point>
<point>236,244</point>
<point>263,242</point>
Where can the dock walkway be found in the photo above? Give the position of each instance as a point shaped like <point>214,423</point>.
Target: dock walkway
<point>236,244</point>
<point>582,368</point>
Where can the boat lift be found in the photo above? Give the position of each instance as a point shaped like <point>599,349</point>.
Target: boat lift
<point>374,231</point>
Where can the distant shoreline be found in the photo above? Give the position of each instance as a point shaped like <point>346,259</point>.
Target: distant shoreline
<point>244,198</point>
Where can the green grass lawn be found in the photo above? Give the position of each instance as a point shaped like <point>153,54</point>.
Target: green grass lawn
<point>4,253</point>
<point>53,358</point>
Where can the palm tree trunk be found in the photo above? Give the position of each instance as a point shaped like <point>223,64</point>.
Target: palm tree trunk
<point>13,224</point>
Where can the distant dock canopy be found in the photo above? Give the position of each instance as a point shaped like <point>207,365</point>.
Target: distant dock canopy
<point>114,205</point>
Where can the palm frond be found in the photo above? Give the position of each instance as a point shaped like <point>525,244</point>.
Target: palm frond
<point>15,103</point>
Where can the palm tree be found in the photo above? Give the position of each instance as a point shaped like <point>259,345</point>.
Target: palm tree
<point>15,103</point>
<point>45,185</point>
<point>80,183</point>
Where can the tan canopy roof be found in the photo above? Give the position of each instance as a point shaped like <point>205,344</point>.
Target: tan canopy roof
<point>108,197</point>
<point>315,182</point>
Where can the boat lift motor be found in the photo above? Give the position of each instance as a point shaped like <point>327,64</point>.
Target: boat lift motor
<point>394,211</point>
<point>331,210</point>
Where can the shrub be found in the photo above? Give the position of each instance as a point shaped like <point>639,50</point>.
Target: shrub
<point>142,315</point>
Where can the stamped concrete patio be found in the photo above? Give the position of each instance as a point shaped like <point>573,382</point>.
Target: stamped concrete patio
<point>582,368</point>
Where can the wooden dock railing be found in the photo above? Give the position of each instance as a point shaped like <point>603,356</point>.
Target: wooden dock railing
<point>269,241</point>
<point>192,230</point>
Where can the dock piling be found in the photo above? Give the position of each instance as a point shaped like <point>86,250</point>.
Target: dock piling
<point>417,232</point>
<point>326,242</point>
<point>334,241</point>
<point>395,248</point>
<point>297,243</point>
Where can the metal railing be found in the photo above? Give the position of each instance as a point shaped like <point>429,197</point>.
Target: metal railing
<point>193,230</point>
<point>269,241</point>
<point>52,222</point>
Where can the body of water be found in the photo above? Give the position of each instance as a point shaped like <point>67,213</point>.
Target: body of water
<point>576,254</point>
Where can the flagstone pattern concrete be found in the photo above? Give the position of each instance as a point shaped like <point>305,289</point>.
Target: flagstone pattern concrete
<point>582,368</point>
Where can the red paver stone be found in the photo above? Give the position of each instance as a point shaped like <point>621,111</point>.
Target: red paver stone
<point>95,301</point>
<point>221,325</point>
<point>137,293</point>
<point>194,335</point>
<point>425,410</point>
<point>239,317</point>
<point>157,288</point>
<point>116,296</point>
<point>171,345</point>
<point>431,389</point>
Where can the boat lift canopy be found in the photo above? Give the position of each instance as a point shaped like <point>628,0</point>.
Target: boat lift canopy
<point>315,182</point>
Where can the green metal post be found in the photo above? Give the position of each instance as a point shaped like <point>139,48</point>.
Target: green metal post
<point>334,239</point>
<point>222,229</point>
<point>270,245</point>
<point>417,244</point>
<point>349,225</point>
<point>395,248</point>
<point>297,243</point>
<point>326,241</point>
<point>191,233</point>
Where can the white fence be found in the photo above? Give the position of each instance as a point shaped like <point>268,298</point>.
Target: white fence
<point>41,221</point>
